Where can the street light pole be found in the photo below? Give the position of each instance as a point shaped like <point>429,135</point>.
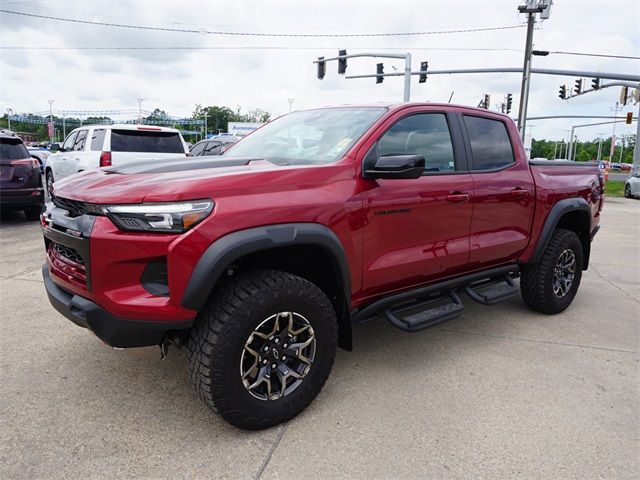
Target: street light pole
<point>51,120</point>
<point>9,113</point>
<point>636,151</point>
<point>290,100</point>
<point>140,100</point>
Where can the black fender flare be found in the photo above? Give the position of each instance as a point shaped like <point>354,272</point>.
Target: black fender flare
<point>557,212</point>
<point>231,247</point>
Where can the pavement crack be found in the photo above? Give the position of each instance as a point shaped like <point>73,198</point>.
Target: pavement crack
<point>505,337</point>
<point>276,442</point>
<point>598,273</point>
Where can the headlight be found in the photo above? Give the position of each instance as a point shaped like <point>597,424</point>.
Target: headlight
<point>159,217</point>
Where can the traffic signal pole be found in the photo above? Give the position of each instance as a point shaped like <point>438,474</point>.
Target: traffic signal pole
<point>636,151</point>
<point>526,69</point>
<point>407,67</point>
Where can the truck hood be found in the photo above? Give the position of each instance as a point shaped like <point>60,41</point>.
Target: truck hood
<point>163,180</point>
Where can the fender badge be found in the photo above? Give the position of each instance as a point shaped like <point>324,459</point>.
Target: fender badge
<point>75,233</point>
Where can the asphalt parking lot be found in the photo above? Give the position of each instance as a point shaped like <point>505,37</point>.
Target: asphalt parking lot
<point>498,392</point>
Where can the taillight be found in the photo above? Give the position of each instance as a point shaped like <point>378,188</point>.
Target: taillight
<point>105,159</point>
<point>27,161</point>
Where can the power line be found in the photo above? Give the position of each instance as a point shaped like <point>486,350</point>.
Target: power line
<point>628,57</point>
<point>262,47</point>
<point>256,34</point>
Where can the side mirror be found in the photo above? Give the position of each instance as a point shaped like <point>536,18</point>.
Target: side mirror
<point>55,147</point>
<point>396,166</point>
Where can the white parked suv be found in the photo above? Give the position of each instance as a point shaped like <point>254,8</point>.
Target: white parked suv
<point>96,146</point>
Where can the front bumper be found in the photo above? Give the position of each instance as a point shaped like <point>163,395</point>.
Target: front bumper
<point>114,331</point>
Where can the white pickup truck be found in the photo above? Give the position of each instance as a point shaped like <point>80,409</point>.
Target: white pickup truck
<point>96,146</point>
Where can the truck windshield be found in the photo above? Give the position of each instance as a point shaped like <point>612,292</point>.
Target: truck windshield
<point>308,137</point>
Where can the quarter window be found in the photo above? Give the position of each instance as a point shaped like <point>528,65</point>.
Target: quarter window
<point>425,134</point>
<point>490,145</point>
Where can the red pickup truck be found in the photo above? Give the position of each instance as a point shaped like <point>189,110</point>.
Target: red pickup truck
<point>261,260</point>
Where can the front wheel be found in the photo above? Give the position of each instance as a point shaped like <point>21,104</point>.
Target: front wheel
<point>550,285</point>
<point>627,191</point>
<point>262,348</point>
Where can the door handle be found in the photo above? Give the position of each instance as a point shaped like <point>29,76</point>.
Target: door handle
<point>519,192</point>
<point>457,197</point>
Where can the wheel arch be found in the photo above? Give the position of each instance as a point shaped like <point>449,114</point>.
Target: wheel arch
<point>571,214</point>
<point>309,250</point>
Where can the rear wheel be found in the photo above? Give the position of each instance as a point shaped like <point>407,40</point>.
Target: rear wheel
<point>32,213</point>
<point>262,348</point>
<point>550,285</point>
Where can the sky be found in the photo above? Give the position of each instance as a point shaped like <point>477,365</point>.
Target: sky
<point>78,66</point>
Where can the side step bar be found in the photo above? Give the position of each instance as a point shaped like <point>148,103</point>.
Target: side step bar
<point>493,291</point>
<point>421,315</point>
<point>424,307</point>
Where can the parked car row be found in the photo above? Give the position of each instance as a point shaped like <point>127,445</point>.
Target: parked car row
<point>20,177</point>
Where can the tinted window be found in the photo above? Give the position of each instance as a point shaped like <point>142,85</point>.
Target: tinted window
<point>490,144</point>
<point>80,139</point>
<point>213,148</point>
<point>197,149</point>
<point>145,141</point>
<point>11,149</point>
<point>425,134</point>
<point>68,143</point>
<point>97,139</point>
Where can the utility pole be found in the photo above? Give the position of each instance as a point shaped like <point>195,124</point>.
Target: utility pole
<point>531,8</point>
<point>636,151</point>
<point>64,128</point>
<point>51,120</point>
<point>615,110</point>
<point>205,125</point>
<point>599,147</point>
<point>9,113</point>
<point>140,100</point>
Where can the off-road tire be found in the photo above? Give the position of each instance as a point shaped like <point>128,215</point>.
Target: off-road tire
<point>536,281</point>
<point>627,191</point>
<point>222,327</point>
<point>32,213</point>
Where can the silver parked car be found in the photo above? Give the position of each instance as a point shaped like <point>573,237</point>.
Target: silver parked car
<point>632,186</point>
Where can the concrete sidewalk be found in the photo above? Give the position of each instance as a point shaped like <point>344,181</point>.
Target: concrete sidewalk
<point>498,392</point>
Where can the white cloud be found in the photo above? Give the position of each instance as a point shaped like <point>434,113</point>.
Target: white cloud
<point>175,80</point>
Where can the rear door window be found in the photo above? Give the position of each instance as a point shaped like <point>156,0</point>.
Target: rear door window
<point>490,144</point>
<point>97,139</point>
<point>80,140</point>
<point>12,149</point>
<point>146,141</point>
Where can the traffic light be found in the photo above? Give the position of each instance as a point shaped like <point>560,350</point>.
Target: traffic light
<point>486,101</point>
<point>595,83</point>
<point>578,87</point>
<point>629,118</point>
<point>379,72</point>
<point>423,68</point>
<point>322,68</point>
<point>563,92</point>
<point>624,93</point>
<point>509,103</point>
<point>342,62</point>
